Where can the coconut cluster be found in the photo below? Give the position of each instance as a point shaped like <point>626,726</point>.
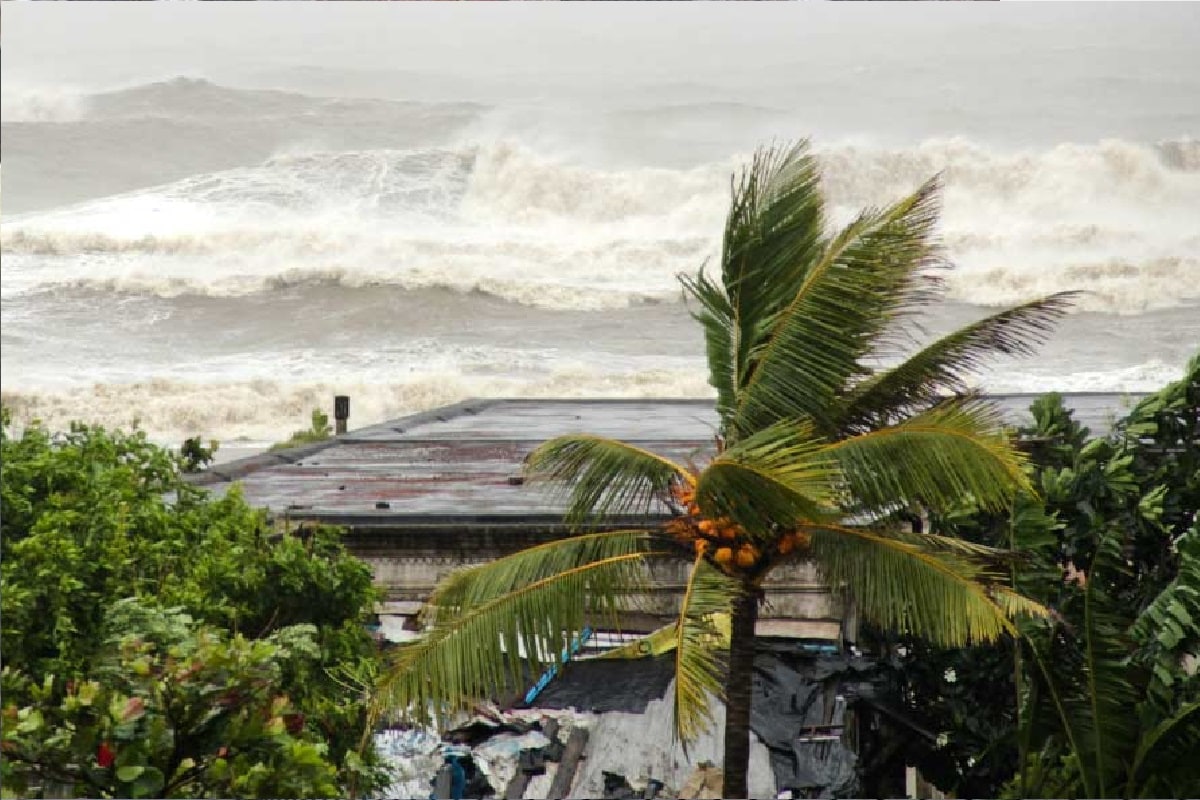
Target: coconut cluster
<point>723,541</point>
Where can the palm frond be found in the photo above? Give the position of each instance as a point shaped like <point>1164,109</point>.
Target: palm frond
<point>991,561</point>
<point>944,597</point>
<point>943,367</point>
<point>488,650</point>
<point>1110,695</point>
<point>482,583</point>
<point>770,480</point>
<point>1170,625</point>
<point>1084,671</point>
<point>935,541</point>
<point>1165,762</point>
<point>1036,778</point>
<point>952,453</point>
<point>1014,604</point>
<point>698,663</point>
<point>597,476</point>
<point>773,233</point>
<point>721,336</point>
<point>850,294</point>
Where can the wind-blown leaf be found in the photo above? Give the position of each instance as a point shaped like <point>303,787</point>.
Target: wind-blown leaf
<point>773,233</point>
<point>1164,764</point>
<point>1085,674</point>
<point>467,588</point>
<point>716,318</point>
<point>848,296</point>
<point>601,476</point>
<point>1014,604</point>
<point>1110,693</point>
<point>488,647</point>
<point>1177,607</point>
<point>772,480</point>
<point>908,588</point>
<point>698,662</point>
<point>953,453</point>
<point>943,367</point>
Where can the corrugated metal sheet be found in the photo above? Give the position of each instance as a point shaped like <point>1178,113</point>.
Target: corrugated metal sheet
<point>461,464</point>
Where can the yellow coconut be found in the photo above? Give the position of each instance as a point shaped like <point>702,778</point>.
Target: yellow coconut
<point>747,556</point>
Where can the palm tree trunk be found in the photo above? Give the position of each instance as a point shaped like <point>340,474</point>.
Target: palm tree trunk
<point>738,694</point>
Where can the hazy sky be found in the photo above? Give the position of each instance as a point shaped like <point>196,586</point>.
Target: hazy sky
<point>1017,73</point>
<point>92,44</point>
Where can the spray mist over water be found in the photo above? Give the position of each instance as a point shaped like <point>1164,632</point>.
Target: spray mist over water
<point>414,254</point>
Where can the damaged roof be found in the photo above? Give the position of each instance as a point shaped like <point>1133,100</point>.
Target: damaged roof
<point>461,464</point>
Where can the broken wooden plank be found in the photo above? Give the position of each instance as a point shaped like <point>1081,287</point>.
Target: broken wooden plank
<point>561,787</point>
<point>554,750</point>
<point>528,767</point>
<point>518,784</point>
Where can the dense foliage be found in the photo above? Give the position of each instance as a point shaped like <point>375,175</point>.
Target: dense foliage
<point>172,709</point>
<point>1098,700</point>
<point>91,519</point>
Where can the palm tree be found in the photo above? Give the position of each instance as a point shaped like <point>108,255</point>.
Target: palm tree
<point>815,454</point>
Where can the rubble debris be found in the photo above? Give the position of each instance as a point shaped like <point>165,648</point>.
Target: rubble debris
<point>617,787</point>
<point>705,783</point>
<point>499,758</point>
<point>604,729</point>
<point>415,758</point>
<point>486,724</point>
<point>554,750</point>
<point>539,785</point>
<point>514,749</point>
<point>565,776</point>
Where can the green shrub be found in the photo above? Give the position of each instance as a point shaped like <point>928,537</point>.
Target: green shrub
<point>90,518</point>
<point>318,431</point>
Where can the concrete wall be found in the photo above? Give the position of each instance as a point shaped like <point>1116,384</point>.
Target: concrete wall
<point>409,565</point>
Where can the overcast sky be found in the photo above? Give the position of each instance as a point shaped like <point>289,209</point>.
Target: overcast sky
<point>99,43</point>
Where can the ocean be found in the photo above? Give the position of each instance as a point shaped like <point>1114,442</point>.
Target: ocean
<point>217,251</point>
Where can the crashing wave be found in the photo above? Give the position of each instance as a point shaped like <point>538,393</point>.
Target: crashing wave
<point>1112,218</point>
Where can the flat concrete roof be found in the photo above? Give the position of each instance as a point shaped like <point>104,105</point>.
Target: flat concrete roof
<point>460,465</point>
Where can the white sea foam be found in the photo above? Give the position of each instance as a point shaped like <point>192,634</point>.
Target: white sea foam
<point>264,411</point>
<point>253,413</point>
<point>1148,377</point>
<point>33,103</point>
<point>1115,219</point>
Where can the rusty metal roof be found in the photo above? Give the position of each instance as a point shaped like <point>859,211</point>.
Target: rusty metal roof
<point>460,465</point>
